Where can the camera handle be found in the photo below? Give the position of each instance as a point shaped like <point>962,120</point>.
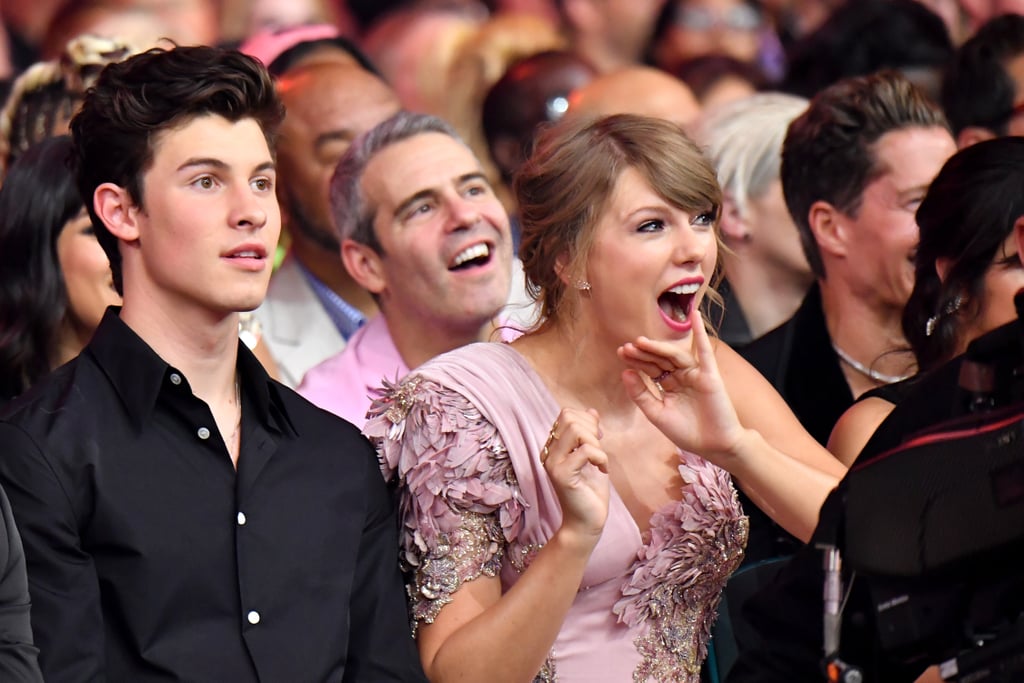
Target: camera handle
<point>836,670</point>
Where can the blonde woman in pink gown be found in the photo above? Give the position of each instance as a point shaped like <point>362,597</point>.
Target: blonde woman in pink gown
<point>567,500</point>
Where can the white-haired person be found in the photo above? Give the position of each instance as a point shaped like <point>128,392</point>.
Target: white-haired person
<point>765,270</point>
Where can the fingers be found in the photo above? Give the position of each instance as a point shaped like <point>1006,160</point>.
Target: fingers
<point>656,358</point>
<point>651,364</point>
<point>702,346</point>
<point>571,430</point>
<point>638,389</point>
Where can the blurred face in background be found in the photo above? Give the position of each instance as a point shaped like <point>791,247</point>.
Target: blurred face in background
<point>777,235</point>
<point>703,27</point>
<point>328,105</point>
<point>87,278</point>
<point>882,235</point>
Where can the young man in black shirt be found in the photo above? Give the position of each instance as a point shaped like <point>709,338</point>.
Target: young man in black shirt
<point>184,516</point>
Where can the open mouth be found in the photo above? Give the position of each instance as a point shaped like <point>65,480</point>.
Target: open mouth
<point>471,257</point>
<point>677,302</point>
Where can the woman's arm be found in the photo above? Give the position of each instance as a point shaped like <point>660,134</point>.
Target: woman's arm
<point>484,635</point>
<point>713,403</point>
<point>856,426</point>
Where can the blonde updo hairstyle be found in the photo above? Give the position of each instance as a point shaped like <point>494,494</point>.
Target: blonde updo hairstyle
<point>566,184</point>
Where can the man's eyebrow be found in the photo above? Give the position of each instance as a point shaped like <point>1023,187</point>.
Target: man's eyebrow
<point>212,162</point>
<point>422,194</point>
<point>475,175</point>
<point>910,191</point>
<point>430,192</point>
<point>202,161</point>
<point>330,136</point>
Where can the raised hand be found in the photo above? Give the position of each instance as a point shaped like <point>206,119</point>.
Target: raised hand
<point>677,385</point>
<point>578,467</point>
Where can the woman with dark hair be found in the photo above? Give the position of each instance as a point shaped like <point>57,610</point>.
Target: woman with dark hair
<point>967,271</point>
<point>55,280</point>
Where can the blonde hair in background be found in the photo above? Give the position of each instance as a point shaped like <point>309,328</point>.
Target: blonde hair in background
<point>743,141</point>
<point>46,95</point>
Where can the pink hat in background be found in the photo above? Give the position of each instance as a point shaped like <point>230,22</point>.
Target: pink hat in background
<point>268,45</point>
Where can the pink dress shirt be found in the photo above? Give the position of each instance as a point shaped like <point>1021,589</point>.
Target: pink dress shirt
<point>346,383</point>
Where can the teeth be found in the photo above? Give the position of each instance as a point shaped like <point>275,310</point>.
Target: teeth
<point>246,254</point>
<point>470,253</point>
<point>686,289</point>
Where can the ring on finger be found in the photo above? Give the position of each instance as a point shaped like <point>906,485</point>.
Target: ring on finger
<point>553,435</point>
<point>662,376</point>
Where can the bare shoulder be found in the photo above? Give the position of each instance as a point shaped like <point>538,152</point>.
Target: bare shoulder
<point>856,426</point>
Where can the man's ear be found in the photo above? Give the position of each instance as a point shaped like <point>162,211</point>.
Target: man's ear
<point>364,265</point>
<point>734,228</point>
<point>972,135</point>
<point>828,228</point>
<point>114,206</point>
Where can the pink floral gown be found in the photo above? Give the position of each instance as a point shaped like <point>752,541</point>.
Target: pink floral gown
<point>463,434</point>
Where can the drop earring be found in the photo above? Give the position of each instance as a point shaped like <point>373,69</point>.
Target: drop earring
<point>583,285</point>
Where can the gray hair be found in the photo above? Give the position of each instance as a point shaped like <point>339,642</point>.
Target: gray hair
<point>743,140</point>
<point>353,216</point>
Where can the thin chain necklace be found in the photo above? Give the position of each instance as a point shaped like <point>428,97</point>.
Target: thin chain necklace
<point>238,402</point>
<point>865,370</point>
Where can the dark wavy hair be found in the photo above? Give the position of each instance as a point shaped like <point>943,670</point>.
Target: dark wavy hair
<point>968,213</point>
<point>37,200</point>
<point>829,151</point>
<point>134,101</point>
<point>977,90</point>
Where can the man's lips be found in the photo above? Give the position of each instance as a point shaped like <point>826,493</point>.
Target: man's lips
<point>251,257</point>
<point>249,251</point>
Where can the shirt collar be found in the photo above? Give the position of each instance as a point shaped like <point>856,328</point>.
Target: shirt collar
<point>137,374</point>
<point>266,394</point>
<point>346,317</point>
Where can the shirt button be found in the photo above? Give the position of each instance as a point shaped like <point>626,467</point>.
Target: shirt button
<point>203,433</point>
<point>253,617</point>
<point>175,379</point>
<point>241,518</point>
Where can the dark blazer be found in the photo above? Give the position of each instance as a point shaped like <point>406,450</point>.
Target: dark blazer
<point>797,358</point>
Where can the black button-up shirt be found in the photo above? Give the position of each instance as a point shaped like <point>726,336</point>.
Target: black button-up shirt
<point>151,558</point>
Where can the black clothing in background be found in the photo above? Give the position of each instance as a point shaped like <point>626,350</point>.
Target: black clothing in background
<point>787,613</point>
<point>18,657</point>
<point>150,558</point>
<point>797,358</point>
<point>733,328</point>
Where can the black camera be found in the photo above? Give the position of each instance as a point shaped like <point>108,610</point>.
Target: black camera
<point>934,528</point>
